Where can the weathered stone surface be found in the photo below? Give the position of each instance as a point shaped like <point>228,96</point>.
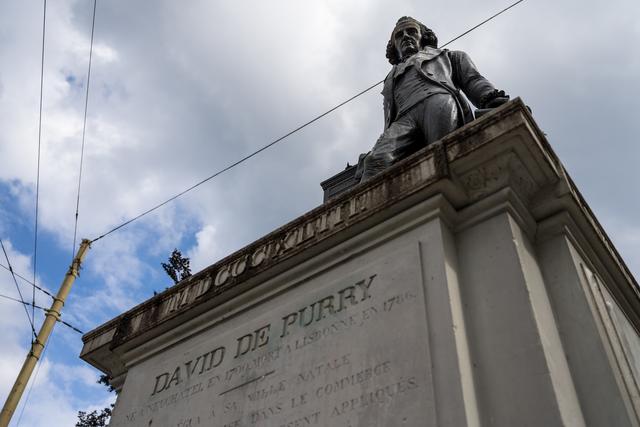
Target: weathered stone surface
<point>468,285</point>
<point>327,350</point>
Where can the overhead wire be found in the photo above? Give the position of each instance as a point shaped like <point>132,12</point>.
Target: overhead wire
<point>482,23</point>
<point>10,269</point>
<point>265,147</point>
<point>35,238</point>
<point>69,325</point>
<point>84,128</point>
<point>35,377</point>
<point>17,300</point>
<point>6,256</point>
<point>148,211</point>
<point>43,309</point>
<point>44,291</point>
<point>272,143</point>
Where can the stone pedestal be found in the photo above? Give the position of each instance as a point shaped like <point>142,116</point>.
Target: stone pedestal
<point>468,285</point>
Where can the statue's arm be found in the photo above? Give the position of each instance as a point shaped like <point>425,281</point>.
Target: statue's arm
<point>387,97</point>
<point>478,89</point>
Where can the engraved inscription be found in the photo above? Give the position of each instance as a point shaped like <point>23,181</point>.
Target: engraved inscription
<point>351,352</point>
<point>293,238</point>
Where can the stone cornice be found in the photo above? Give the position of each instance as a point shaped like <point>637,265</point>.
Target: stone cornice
<point>503,149</point>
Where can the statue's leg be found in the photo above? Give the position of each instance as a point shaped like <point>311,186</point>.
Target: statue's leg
<point>395,143</point>
<point>439,117</point>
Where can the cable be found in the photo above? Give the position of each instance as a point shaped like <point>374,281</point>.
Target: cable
<point>44,291</point>
<point>19,292</point>
<point>17,300</point>
<point>35,377</point>
<point>148,211</point>
<point>36,306</point>
<point>482,23</point>
<point>84,128</point>
<point>43,309</point>
<point>35,239</point>
<point>236,163</point>
<point>70,326</point>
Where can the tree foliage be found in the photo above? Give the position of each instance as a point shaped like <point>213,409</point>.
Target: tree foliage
<point>95,418</point>
<point>105,380</point>
<point>177,267</point>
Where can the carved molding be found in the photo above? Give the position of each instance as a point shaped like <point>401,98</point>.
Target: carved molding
<point>506,170</point>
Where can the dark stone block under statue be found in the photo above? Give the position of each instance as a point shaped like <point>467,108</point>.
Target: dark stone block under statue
<point>339,183</point>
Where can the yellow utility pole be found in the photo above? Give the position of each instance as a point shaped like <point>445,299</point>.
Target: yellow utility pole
<point>53,314</point>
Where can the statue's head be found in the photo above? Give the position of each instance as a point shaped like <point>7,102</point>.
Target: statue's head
<point>407,38</point>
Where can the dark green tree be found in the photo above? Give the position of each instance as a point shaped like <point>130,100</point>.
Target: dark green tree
<point>178,266</point>
<point>105,380</point>
<point>95,418</point>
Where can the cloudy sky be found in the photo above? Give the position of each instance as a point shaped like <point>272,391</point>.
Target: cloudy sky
<point>181,89</point>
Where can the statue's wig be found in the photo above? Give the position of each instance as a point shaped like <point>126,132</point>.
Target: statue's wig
<point>428,39</point>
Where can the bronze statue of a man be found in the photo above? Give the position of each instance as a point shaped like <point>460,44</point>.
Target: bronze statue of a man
<point>422,100</point>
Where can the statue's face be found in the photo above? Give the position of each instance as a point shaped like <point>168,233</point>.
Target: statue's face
<point>406,39</point>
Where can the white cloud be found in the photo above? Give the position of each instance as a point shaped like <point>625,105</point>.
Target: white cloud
<point>104,53</point>
<point>14,326</point>
<point>205,252</point>
<point>181,90</point>
<point>51,398</point>
<point>52,401</point>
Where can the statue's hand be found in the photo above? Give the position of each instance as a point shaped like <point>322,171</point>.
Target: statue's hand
<point>496,102</point>
<point>494,99</point>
